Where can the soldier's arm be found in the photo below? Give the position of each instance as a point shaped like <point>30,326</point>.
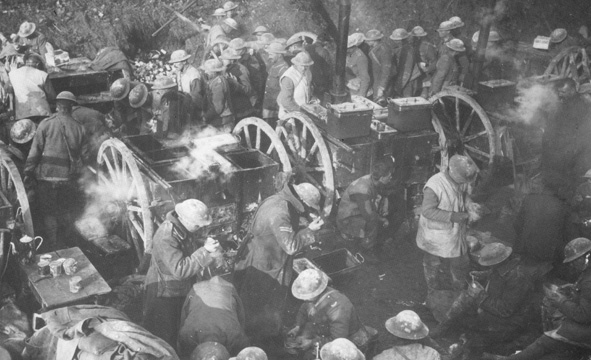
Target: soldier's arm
<point>35,153</point>
<point>430,59</point>
<point>246,84</point>
<point>579,310</point>
<point>386,70</point>
<point>291,240</point>
<point>442,68</point>
<point>363,73</point>
<point>285,97</point>
<point>430,209</point>
<point>339,316</point>
<point>514,293</point>
<point>179,265</point>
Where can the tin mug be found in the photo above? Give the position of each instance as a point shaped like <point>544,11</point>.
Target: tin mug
<point>28,249</point>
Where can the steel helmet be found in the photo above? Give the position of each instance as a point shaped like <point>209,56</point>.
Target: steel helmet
<point>138,96</point>
<point>230,6</point>
<point>309,284</point>
<point>178,56</point>
<point>23,131</point>
<point>294,39</point>
<point>302,59</point>
<point>193,212</point>
<point>210,350</point>
<point>446,26</point>
<point>230,54</point>
<point>576,248</point>
<point>267,38</point>
<point>407,325</point>
<point>251,353</point>
<point>418,31</point>
<point>237,44</point>
<point>456,45</point>
<point>213,65</point>
<point>494,253</point>
<point>456,21</point>
<point>120,88</point>
<point>66,95</point>
<point>26,29</point>
<point>355,40</point>
<point>341,349</point>
<point>558,35</point>
<point>309,194</point>
<point>260,29</point>
<point>399,34</point>
<point>462,169</point>
<point>231,23</point>
<point>493,36</point>
<point>373,35</point>
<point>163,82</point>
<point>219,12</point>
<point>276,48</point>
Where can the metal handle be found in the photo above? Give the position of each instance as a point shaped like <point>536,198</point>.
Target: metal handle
<point>359,258</point>
<point>40,242</point>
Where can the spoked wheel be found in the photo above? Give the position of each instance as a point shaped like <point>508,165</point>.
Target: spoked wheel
<point>14,195</point>
<point>463,127</point>
<point>572,62</point>
<point>256,134</point>
<point>122,185</point>
<point>308,155</point>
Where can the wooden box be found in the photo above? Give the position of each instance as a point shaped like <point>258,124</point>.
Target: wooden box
<point>409,114</point>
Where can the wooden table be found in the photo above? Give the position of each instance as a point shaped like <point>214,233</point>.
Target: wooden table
<point>55,292</point>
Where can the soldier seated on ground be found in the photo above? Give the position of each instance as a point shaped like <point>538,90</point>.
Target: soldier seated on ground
<point>500,309</point>
<point>210,351</point>
<point>326,315</point>
<point>341,349</point>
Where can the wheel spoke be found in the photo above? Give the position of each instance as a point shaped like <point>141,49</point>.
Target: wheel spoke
<point>477,151</point>
<point>468,122</point>
<point>315,169</point>
<point>258,139</point>
<point>110,168</point>
<point>314,182</point>
<point>313,151</point>
<point>270,149</point>
<point>458,114</point>
<point>134,208</point>
<point>474,136</point>
<point>247,137</point>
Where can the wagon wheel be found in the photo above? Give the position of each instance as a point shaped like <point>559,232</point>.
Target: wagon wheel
<point>255,133</point>
<point>572,62</point>
<point>463,127</point>
<point>309,156</point>
<point>124,185</point>
<point>14,194</point>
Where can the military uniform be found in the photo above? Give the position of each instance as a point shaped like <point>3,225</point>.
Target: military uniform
<point>189,82</point>
<point>381,57</point>
<point>446,73</point>
<point>257,75</point>
<point>358,67</point>
<point>218,110</point>
<point>242,90</point>
<point>272,87</point>
<point>31,91</point>
<point>177,258</point>
<point>321,69</point>
<point>36,43</point>
<point>408,72</point>
<point>351,220</point>
<point>428,54</point>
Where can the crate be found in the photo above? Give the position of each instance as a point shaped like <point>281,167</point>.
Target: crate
<point>380,130</point>
<point>336,264</point>
<point>348,120</point>
<point>496,94</point>
<point>409,114</point>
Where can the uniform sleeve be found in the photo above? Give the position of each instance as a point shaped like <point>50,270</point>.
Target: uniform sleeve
<point>285,97</point>
<point>385,59</point>
<point>464,64</point>
<point>35,152</point>
<point>579,310</point>
<point>340,318</point>
<point>196,92</point>
<point>363,74</point>
<point>179,265</point>
<point>442,67</point>
<point>430,58</point>
<point>430,209</point>
<point>290,240</point>
<point>506,303</point>
<point>302,315</point>
<point>245,84</point>
<point>85,147</point>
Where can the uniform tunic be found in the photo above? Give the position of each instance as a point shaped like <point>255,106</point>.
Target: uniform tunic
<point>263,275</point>
<point>446,73</point>
<point>218,109</point>
<point>294,91</point>
<point>381,57</point>
<point>31,90</point>
<point>350,218</point>
<point>272,88</point>
<point>358,67</point>
<point>242,90</point>
<point>414,351</point>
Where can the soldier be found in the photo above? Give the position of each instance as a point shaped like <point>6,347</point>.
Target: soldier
<point>277,67</point>
<point>171,109</point>
<point>261,52</point>
<point>96,128</point>
<point>224,29</point>
<point>357,66</point>
<point>259,31</point>
<point>322,68</point>
<point>180,251</point>
<point>294,46</point>
<point>340,349</point>
<point>241,87</point>
<point>262,277</point>
<point>446,69</point>
<point>426,53</point>
<point>31,40</point>
<point>231,9</point>
<point>188,78</point>
<point>295,85</point>
<point>210,350</point>
<point>326,314</point>
<point>122,118</point>
<point>140,99</point>
<point>464,59</point>
<point>218,106</point>
<point>59,149</point>
<point>32,90</point>
<point>445,35</point>
<point>381,56</point>
<point>218,16</point>
<point>407,70</point>
<point>560,40</point>
<point>256,70</point>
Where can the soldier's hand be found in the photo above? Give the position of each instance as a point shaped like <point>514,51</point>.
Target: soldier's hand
<point>459,217</point>
<point>211,245</point>
<point>316,224</point>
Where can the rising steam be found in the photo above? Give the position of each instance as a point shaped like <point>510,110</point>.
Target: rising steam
<point>534,103</point>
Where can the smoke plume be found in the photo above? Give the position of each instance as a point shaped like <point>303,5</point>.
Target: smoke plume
<point>534,103</point>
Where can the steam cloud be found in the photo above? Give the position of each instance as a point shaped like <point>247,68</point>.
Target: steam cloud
<point>533,102</point>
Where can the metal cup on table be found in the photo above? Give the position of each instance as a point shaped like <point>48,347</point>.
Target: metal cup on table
<point>28,248</point>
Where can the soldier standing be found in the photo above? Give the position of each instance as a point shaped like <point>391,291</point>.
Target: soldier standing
<point>358,79</point>
<point>381,56</point>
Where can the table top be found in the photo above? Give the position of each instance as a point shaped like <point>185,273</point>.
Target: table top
<point>55,292</point>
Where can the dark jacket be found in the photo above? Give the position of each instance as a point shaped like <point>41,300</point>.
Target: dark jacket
<point>407,69</point>
<point>446,72</point>
<point>272,87</point>
<point>59,147</point>
<point>257,74</point>
<point>333,316</point>
<point>381,57</point>
<point>212,312</point>
<point>427,53</point>
<point>358,67</point>
<point>174,113</point>
<point>95,127</point>
<point>218,102</point>
<point>276,236</point>
<point>321,69</point>
<point>242,89</point>
<point>176,259</point>
<point>576,326</point>
<point>508,293</point>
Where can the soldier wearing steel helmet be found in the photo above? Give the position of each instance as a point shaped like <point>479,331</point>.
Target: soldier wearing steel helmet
<point>180,250</point>
<point>295,85</point>
<point>571,338</point>
<point>218,110</point>
<point>264,272</point>
<point>32,90</point>
<point>58,152</point>
<point>188,78</point>
<point>380,56</point>
<point>427,58</point>
<point>358,77</point>
<point>560,40</point>
<point>446,68</point>
<point>407,69</point>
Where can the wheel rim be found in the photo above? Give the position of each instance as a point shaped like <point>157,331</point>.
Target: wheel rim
<point>572,62</point>
<point>256,134</point>
<point>308,155</point>
<point>13,191</point>
<point>463,127</point>
<point>119,173</point>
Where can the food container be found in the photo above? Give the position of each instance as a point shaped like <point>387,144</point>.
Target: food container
<point>409,114</point>
<point>348,120</point>
<point>43,267</point>
<point>70,266</point>
<point>336,264</point>
<point>380,130</point>
<point>75,285</point>
<point>496,94</point>
<point>56,268</point>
